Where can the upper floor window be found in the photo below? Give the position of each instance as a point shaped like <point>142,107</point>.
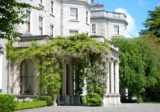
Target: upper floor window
<point>86,16</point>
<point>116,30</point>
<point>41,1</point>
<point>74,13</point>
<point>41,25</point>
<point>51,30</point>
<point>28,21</point>
<point>73,32</point>
<point>94,29</point>
<point>52,7</point>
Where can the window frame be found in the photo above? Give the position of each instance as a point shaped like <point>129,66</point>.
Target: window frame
<point>52,7</point>
<point>87,17</point>
<point>74,17</point>
<point>28,21</point>
<point>95,32</point>
<point>116,30</point>
<point>41,25</point>
<point>74,30</point>
<point>52,31</point>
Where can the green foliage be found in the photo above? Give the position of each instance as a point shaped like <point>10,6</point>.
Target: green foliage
<point>30,104</point>
<point>138,68</point>
<point>92,99</point>
<point>11,13</point>
<point>7,103</point>
<point>88,56</point>
<point>48,99</point>
<point>152,23</point>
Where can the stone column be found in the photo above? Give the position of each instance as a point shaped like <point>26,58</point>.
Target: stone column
<point>108,79</point>
<point>117,77</point>
<point>112,77</point>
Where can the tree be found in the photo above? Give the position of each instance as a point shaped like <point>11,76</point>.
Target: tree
<point>10,14</point>
<point>152,23</point>
<point>138,69</point>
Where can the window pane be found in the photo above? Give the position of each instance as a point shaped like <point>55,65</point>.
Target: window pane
<point>73,32</point>
<point>41,25</point>
<point>28,21</point>
<point>116,30</point>
<point>51,30</point>
<point>52,7</point>
<point>74,13</point>
<point>94,28</point>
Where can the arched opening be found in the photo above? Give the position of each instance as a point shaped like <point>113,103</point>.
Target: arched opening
<point>27,77</point>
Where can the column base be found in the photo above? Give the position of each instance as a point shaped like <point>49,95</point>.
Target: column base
<point>111,99</point>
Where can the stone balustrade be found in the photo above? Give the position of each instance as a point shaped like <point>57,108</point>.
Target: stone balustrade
<point>106,14</point>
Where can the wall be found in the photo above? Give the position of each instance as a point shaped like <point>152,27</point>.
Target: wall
<point>3,68</point>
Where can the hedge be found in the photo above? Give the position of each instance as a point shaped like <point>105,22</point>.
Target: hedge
<point>7,103</point>
<point>92,99</point>
<point>48,99</point>
<point>29,105</point>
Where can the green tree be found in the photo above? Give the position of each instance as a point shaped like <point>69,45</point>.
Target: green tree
<point>138,69</point>
<point>152,23</point>
<point>10,14</point>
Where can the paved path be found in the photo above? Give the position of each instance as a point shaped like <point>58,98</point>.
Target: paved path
<point>117,108</point>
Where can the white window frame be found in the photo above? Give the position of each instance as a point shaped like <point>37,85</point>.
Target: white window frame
<point>74,17</point>
<point>73,31</point>
<point>52,30</point>
<point>116,31</point>
<point>87,17</point>
<point>95,28</point>
<point>28,22</point>
<point>41,32</point>
<point>52,7</point>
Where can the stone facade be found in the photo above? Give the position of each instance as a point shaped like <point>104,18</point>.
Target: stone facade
<point>61,18</point>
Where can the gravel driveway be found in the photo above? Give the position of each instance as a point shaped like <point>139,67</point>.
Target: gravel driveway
<point>113,108</point>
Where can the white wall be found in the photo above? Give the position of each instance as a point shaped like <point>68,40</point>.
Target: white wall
<point>55,19</point>
<point>4,81</point>
<point>1,69</point>
<point>48,18</point>
<point>105,27</point>
<point>80,24</point>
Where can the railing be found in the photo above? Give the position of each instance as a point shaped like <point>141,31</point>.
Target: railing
<point>111,15</point>
<point>88,1</point>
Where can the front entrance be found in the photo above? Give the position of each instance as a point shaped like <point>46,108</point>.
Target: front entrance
<point>67,92</point>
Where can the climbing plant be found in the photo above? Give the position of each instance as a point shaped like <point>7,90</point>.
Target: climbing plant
<point>89,59</point>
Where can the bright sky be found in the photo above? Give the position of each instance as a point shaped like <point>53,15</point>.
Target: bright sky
<point>136,11</point>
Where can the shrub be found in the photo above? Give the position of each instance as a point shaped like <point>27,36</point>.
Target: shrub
<point>48,99</point>
<point>7,103</point>
<point>92,99</point>
<point>28,105</point>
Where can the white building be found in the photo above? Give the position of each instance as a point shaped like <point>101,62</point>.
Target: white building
<point>62,18</point>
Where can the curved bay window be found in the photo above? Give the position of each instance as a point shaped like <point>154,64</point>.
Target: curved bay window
<point>27,77</point>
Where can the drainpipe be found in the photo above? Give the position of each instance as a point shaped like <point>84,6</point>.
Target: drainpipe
<point>61,16</point>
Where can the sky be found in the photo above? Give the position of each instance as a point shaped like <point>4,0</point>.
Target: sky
<point>136,11</point>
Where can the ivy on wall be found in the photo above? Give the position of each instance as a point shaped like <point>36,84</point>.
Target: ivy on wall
<point>89,60</point>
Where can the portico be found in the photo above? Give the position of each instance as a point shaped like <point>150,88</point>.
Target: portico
<point>112,95</point>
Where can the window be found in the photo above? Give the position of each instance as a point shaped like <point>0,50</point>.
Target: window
<point>52,7</point>
<point>93,28</point>
<point>74,13</point>
<point>73,32</point>
<point>116,30</point>
<point>86,16</point>
<point>41,1</point>
<point>41,25</point>
<point>51,30</point>
<point>28,21</point>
